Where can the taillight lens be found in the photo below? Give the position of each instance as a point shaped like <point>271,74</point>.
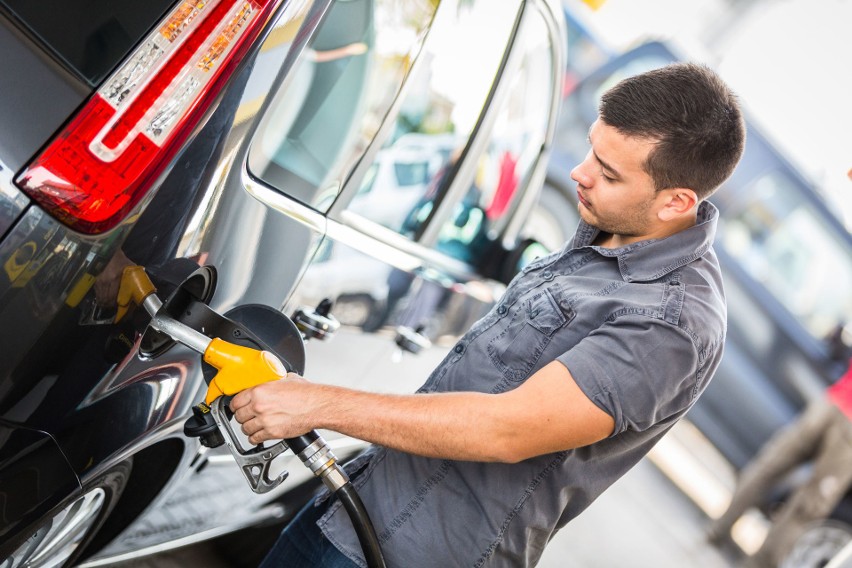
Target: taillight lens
<point>99,167</point>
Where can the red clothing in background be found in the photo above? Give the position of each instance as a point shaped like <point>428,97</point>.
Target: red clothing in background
<point>840,393</point>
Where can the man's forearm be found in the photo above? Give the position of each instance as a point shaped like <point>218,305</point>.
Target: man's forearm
<point>461,426</point>
<point>545,414</point>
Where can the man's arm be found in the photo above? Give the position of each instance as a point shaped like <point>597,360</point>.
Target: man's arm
<point>547,413</point>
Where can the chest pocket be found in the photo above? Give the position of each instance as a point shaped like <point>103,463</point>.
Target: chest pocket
<point>518,347</point>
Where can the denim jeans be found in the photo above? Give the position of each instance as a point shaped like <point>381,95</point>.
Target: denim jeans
<point>302,544</point>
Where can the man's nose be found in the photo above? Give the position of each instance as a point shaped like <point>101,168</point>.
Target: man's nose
<point>579,174</point>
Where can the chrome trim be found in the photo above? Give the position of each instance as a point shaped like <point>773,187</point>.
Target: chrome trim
<point>551,11</point>
<point>358,233</point>
<point>310,22</point>
<point>280,202</point>
<point>479,137</point>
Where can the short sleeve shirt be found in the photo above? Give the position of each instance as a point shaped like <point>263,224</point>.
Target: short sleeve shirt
<point>640,328</point>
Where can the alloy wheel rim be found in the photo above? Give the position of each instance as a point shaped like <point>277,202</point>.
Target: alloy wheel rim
<point>55,541</point>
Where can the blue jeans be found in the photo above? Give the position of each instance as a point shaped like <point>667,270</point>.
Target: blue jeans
<point>302,544</point>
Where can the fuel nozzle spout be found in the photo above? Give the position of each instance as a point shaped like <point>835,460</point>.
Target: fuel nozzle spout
<point>136,288</point>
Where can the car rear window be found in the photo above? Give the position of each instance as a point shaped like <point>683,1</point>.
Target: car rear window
<point>91,36</point>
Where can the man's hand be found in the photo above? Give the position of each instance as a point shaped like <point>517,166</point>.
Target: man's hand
<point>108,281</point>
<point>276,410</point>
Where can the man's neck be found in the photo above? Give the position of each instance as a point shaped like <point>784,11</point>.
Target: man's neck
<point>613,241</point>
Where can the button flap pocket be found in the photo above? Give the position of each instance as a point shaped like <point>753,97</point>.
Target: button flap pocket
<point>543,312</point>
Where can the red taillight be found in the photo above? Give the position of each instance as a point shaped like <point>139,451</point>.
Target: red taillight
<point>102,163</point>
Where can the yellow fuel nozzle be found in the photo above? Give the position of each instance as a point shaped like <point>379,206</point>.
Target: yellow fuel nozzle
<point>135,286</point>
<point>239,368</point>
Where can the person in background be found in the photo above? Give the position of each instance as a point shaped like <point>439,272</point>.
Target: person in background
<point>822,434</point>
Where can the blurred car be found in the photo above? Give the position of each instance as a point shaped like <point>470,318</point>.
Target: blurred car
<point>400,176</point>
<point>787,265</point>
<point>222,145</point>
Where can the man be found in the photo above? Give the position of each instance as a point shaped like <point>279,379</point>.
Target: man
<point>590,357</point>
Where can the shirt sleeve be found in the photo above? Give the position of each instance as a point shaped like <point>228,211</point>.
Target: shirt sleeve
<point>640,370</point>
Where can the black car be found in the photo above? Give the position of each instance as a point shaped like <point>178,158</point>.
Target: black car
<point>232,149</point>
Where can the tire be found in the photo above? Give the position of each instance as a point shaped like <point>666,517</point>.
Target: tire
<point>820,542</point>
<point>354,310</point>
<point>61,537</point>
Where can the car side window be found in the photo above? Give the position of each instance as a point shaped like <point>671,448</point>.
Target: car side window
<point>517,137</point>
<point>330,108</point>
<point>446,98</point>
<point>781,242</point>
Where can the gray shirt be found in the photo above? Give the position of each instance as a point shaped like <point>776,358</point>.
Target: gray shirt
<point>641,329</point>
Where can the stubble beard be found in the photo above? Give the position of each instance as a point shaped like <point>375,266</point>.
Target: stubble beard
<point>629,223</point>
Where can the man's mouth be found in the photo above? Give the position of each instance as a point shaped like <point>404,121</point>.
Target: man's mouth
<point>582,200</point>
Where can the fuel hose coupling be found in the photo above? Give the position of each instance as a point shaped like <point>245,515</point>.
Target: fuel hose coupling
<point>322,462</point>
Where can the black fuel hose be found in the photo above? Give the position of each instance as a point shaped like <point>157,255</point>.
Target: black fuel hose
<point>347,494</point>
<point>363,527</point>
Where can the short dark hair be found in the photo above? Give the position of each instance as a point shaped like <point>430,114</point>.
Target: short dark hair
<point>693,117</point>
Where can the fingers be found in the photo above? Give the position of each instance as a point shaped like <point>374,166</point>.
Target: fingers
<point>240,400</point>
<point>108,281</point>
<point>270,410</point>
<point>260,392</point>
<point>253,429</point>
<point>106,292</point>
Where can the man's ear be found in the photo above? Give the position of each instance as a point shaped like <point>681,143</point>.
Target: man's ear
<point>679,202</point>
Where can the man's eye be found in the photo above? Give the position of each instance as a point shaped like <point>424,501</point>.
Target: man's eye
<point>606,177</point>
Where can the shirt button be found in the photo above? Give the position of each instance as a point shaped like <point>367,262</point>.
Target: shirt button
<point>547,275</point>
<point>501,310</point>
<point>459,348</point>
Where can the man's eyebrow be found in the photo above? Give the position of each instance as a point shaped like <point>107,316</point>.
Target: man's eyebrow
<point>613,172</point>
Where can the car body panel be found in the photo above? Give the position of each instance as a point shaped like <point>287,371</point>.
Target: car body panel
<point>36,477</point>
<point>36,107</point>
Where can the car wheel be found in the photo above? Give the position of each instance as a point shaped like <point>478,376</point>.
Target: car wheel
<point>818,544</point>
<point>61,537</point>
<point>553,220</point>
<point>354,310</point>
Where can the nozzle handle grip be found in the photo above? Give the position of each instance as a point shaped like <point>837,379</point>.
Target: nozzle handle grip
<point>239,368</point>
<point>243,367</point>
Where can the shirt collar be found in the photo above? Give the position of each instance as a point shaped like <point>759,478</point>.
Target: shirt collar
<point>654,258</point>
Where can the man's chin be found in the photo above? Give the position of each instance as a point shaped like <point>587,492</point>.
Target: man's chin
<point>585,215</point>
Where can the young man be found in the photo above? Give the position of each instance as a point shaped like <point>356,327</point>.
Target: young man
<point>590,357</point>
